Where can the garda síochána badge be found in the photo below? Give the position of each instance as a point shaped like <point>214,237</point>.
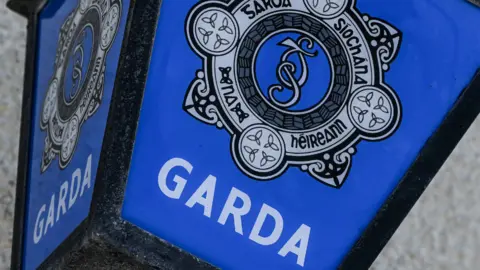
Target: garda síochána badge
<point>76,87</point>
<point>295,83</point>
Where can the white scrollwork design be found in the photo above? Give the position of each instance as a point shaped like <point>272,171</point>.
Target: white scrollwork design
<point>386,40</point>
<point>261,149</point>
<point>331,169</point>
<point>200,102</point>
<point>240,86</point>
<point>216,31</point>
<point>110,25</point>
<point>326,8</point>
<point>371,109</point>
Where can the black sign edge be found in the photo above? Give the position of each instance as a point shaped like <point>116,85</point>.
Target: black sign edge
<point>105,221</point>
<point>30,10</point>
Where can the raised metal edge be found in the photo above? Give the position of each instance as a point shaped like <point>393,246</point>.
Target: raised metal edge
<point>29,9</point>
<point>105,218</point>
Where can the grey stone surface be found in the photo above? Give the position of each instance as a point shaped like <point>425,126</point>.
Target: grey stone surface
<point>442,231</point>
<point>12,54</point>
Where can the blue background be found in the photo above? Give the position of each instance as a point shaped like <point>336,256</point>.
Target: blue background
<point>438,57</point>
<point>42,186</point>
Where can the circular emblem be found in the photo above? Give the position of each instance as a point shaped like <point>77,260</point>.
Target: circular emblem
<point>217,30</point>
<point>261,150</point>
<point>326,8</point>
<point>76,87</point>
<point>371,110</point>
<point>295,83</point>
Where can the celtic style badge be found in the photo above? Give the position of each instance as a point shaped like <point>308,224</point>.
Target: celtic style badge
<point>76,87</point>
<point>296,83</point>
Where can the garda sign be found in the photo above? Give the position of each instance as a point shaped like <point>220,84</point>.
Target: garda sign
<point>239,134</point>
<point>272,132</point>
<point>77,51</point>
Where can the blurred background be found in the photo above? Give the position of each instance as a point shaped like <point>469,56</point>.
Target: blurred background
<point>441,232</point>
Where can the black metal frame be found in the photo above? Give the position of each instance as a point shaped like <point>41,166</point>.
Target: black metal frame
<point>115,241</point>
<point>30,10</point>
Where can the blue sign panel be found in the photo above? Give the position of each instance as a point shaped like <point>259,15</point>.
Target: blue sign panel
<point>271,132</point>
<point>78,50</point>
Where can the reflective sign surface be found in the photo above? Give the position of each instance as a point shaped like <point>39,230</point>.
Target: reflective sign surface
<point>271,132</point>
<point>78,49</point>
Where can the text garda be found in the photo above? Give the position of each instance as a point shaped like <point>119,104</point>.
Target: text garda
<point>204,195</point>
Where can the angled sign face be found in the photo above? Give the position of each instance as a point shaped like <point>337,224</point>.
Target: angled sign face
<point>272,132</point>
<point>77,51</point>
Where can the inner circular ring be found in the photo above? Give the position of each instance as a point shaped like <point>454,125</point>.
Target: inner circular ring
<point>330,63</point>
<point>77,47</point>
<point>67,109</point>
<point>271,114</point>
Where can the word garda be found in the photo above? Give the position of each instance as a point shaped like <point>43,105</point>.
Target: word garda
<point>69,192</point>
<point>298,242</point>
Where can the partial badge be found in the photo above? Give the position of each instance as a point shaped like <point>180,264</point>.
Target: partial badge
<point>298,85</point>
<point>76,87</point>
